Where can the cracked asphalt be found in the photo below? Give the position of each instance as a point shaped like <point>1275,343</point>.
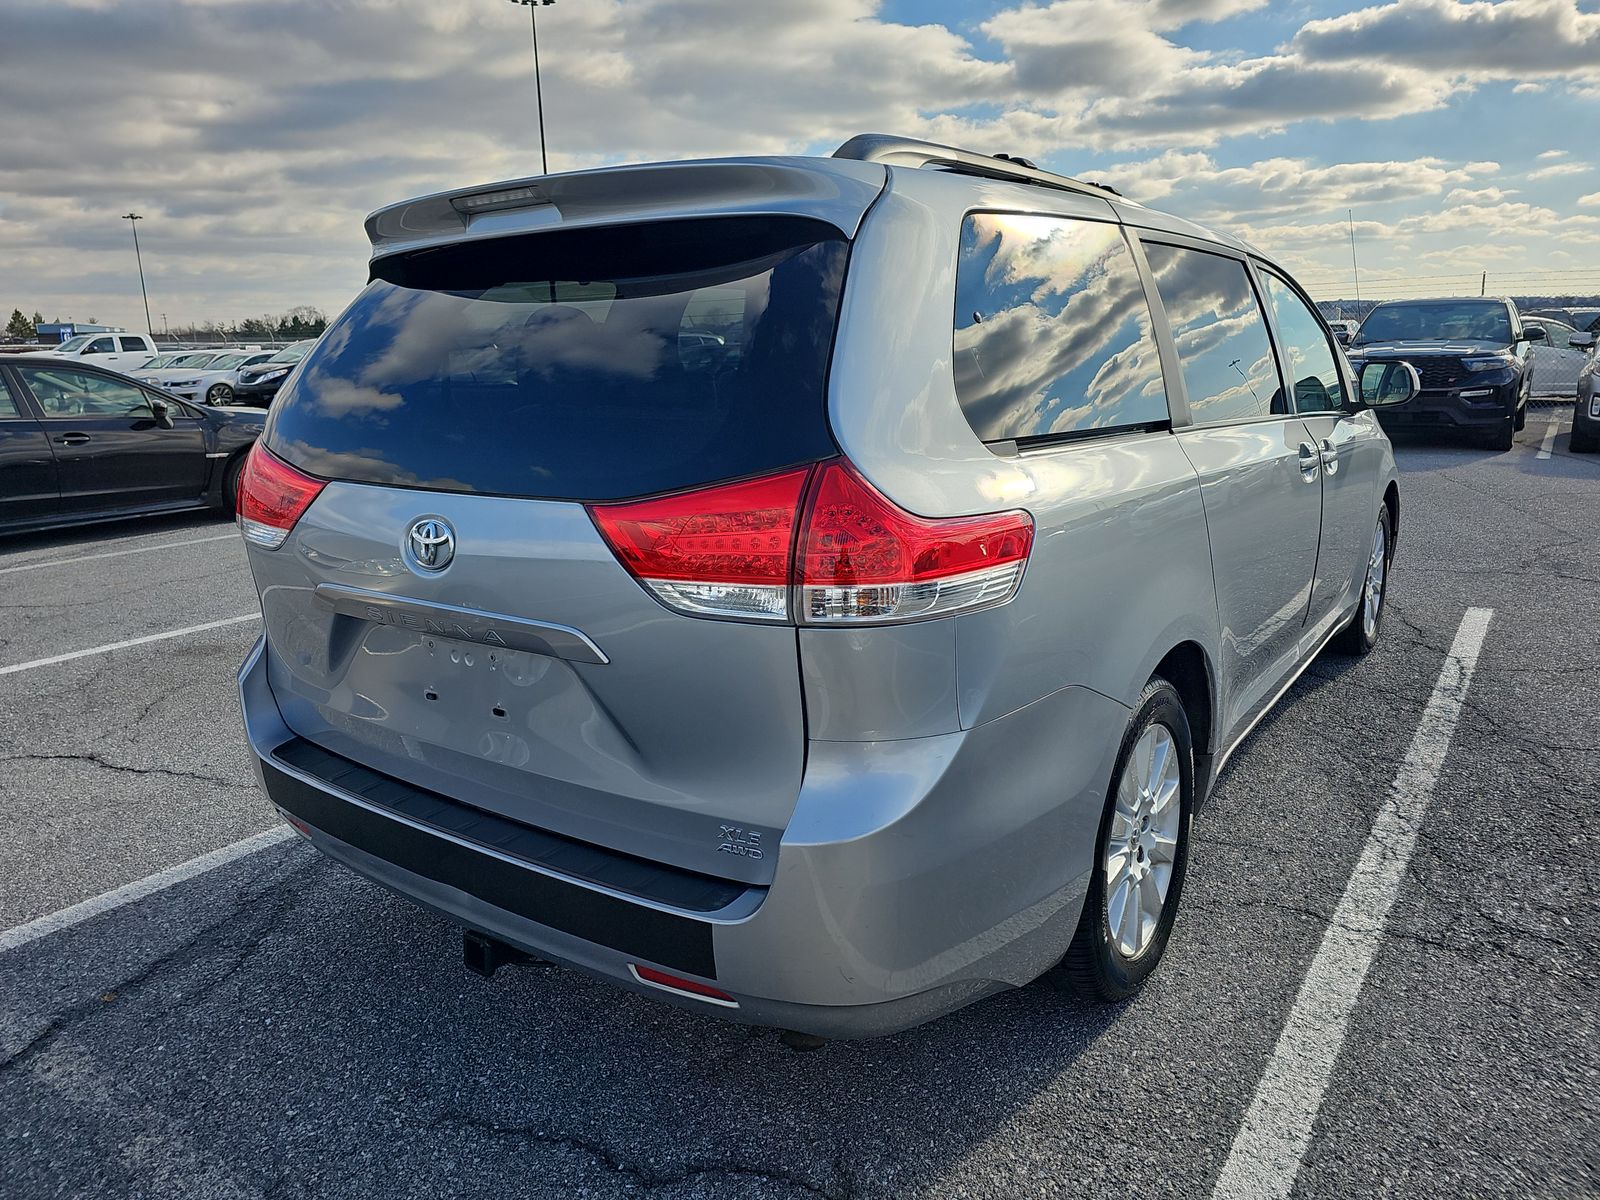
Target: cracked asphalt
<point>279,1027</point>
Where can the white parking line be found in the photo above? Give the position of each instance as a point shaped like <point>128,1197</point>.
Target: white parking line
<point>1550,432</point>
<point>140,888</point>
<point>1272,1141</point>
<point>61,562</point>
<point>138,641</point>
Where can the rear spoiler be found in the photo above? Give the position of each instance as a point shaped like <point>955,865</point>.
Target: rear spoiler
<point>836,191</point>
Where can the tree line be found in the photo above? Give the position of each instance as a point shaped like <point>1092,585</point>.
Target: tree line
<point>301,321</point>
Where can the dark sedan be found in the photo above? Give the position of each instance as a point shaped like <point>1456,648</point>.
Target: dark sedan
<point>258,384</point>
<point>81,443</point>
<point>1472,356</point>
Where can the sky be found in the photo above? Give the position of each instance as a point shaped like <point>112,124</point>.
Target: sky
<point>255,135</point>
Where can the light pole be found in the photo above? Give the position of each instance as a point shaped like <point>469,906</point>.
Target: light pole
<point>133,220</point>
<point>1355,269</point>
<point>533,7</point>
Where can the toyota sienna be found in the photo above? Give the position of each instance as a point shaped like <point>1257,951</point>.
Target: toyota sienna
<point>814,591</point>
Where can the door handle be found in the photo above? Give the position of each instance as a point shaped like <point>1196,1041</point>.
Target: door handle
<point>73,439</point>
<point>1310,460</point>
<point>1330,456</point>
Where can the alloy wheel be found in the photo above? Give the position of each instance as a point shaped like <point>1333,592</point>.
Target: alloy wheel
<point>1143,845</point>
<point>1372,593</point>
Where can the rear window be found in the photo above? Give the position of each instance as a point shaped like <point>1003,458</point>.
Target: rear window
<point>592,364</point>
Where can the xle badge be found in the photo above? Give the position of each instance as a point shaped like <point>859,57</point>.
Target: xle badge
<point>741,842</point>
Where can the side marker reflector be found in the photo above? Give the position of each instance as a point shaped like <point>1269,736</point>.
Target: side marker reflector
<point>684,987</point>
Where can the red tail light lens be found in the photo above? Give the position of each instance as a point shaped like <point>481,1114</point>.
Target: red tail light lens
<point>863,558</point>
<point>719,551</point>
<point>733,551</point>
<point>272,497</point>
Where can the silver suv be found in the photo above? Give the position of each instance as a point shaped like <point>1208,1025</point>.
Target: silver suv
<point>816,591</point>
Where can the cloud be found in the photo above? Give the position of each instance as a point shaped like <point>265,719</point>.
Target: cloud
<point>1591,200</point>
<point>1278,187</point>
<point>1548,154</point>
<point>1558,170</point>
<point>1512,39</point>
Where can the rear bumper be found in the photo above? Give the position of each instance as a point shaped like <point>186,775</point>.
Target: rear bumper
<point>915,876</point>
<point>1454,408</point>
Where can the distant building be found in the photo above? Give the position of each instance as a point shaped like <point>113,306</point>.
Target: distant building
<point>55,332</point>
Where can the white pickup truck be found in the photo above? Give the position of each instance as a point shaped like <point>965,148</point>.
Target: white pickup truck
<point>119,351</point>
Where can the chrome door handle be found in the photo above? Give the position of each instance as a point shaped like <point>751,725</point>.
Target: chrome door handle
<point>1330,456</point>
<point>1309,462</point>
<point>73,439</point>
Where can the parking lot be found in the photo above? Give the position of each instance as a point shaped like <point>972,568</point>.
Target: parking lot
<point>275,1025</point>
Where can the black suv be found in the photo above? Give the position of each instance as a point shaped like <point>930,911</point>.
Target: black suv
<point>1471,355</point>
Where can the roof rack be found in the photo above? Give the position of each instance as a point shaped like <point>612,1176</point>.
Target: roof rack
<point>896,151</point>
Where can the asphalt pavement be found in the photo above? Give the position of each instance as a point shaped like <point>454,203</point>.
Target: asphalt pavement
<point>277,1026</point>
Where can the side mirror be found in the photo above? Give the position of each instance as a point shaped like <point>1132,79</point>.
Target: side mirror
<point>1533,333</point>
<point>1387,383</point>
<point>1581,341</point>
<point>162,412</point>
<point>1342,336</point>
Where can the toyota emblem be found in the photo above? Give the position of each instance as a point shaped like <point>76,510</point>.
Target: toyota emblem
<point>432,542</point>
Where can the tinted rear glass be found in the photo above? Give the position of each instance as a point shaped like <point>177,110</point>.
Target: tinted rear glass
<point>578,364</point>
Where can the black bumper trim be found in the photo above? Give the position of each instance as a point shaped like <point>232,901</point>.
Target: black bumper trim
<point>429,848</point>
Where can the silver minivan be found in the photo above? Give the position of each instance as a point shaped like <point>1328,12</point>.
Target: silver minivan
<point>815,591</point>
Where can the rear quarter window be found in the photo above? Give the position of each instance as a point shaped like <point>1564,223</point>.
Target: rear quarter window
<point>591,364</point>
<point>1052,330</point>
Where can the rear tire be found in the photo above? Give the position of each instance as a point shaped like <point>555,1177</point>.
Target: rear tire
<point>1581,442</point>
<point>1361,635</point>
<point>1128,914</point>
<point>230,484</point>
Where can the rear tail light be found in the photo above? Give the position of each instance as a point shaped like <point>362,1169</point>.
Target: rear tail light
<point>863,558</point>
<point>272,497</point>
<point>721,551</point>
<point>819,545</point>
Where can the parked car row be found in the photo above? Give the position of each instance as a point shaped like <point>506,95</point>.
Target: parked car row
<point>217,376</point>
<point>1480,362</point>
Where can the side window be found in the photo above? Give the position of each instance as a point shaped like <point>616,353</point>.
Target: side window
<point>1222,340</point>
<point>101,346</point>
<point>9,409</point>
<point>136,345</point>
<point>80,394</point>
<point>1312,364</point>
<point>1555,334</point>
<point>1052,330</point>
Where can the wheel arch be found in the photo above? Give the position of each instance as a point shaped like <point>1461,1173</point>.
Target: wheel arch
<point>1187,668</point>
<point>219,480</point>
<point>1391,501</point>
